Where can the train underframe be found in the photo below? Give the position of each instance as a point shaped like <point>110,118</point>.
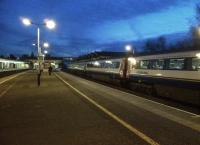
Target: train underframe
<point>187,92</point>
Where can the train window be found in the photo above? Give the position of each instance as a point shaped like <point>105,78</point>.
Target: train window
<point>137,65</point>
<point>110,64</point>
<point>102,65</point>
<point>177,64</point>
<point>107,65</point>
<point>157,64</point>
<point>90,65</point>
<point>144,64</point>
<point>115,64</point>
<point>95,64</point>
<point>195,64</point>
<point>1,65</point>
<point>6,65</point>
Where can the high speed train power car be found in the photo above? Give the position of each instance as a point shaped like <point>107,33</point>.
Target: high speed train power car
<point>171,75</point>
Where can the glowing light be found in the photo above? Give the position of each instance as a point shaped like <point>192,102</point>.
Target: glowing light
<point>26,21</point>
<point>96,63</point>
<point>45,51</point>
<point>158,74</point>
<point>128,47</point>
<point>50,24</point>
<point>198,55</point>
<point>132,60</point>
<point>109,61</point>
<point>46,45</point>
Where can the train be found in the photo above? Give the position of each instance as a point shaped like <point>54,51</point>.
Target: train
<point>174,75</point>
<point>7,65</point>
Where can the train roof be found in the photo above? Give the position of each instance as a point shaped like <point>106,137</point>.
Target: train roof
<point>9,60</point>
<point>170,55</point>
<point>163,55</point>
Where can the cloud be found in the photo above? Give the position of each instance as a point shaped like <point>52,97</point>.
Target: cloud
<point>88,25</point>
<point>170,20</point>
<point>73,46</point>
<point>7,30</point>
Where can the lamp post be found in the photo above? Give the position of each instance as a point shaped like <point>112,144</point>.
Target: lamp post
<point>49,24</point>
<point>43,58</point>
<point>45,52</point>
<point>129,51</point>
<point>45,45</point>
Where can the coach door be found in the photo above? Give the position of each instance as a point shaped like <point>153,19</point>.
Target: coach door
<point>124,68</point>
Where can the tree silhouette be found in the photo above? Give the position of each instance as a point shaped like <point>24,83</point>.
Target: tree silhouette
<point>161,44</point>
<point>157,45</point>
<point>11,56</point>
<point>150,46</point>
<point>32,56</point>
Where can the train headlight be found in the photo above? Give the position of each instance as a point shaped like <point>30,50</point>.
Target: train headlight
<point>198,55</point>
<point>132,60</point>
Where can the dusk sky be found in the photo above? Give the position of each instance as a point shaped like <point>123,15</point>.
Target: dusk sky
<point>91,25</point>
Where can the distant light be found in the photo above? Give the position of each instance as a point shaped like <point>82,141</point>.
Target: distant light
<point>26,21</point>
<point>128,47</point>
<point>109,61</point>
<point>96,63</point>
<point>46,45</point>
<point>43,55</point>
<point>198,55</point>
<point>45,51</point>
<point>50,24</point>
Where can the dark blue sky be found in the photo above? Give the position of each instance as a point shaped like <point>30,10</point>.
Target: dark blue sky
<point>91,25</point>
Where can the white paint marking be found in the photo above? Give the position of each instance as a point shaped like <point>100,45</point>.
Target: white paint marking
<point>193,114</point>
<point>6,90</point>
<point>10,86</point>
<point>113,116</point>
<point>187,112</point>
<point>10,78</point>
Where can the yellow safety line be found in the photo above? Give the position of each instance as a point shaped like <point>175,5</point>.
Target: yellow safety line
<point>10,86</point>
<point>113,116</point>
<point>6,90</point>
<point>10,78</point>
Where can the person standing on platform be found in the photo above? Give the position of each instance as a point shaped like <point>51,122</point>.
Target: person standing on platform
<point>50,70</point>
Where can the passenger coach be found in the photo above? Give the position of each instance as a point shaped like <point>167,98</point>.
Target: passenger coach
<point>171,75</point>
<point>12,65</point>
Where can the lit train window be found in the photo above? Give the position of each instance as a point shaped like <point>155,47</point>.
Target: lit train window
<point>1,65</point>
<point>177,64</point>
<point>195,64</point>
<point>144,64</point>
<point>115,64</point>
<point>107,65</point>
<point>157,64</point>
<point>102,65</point>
